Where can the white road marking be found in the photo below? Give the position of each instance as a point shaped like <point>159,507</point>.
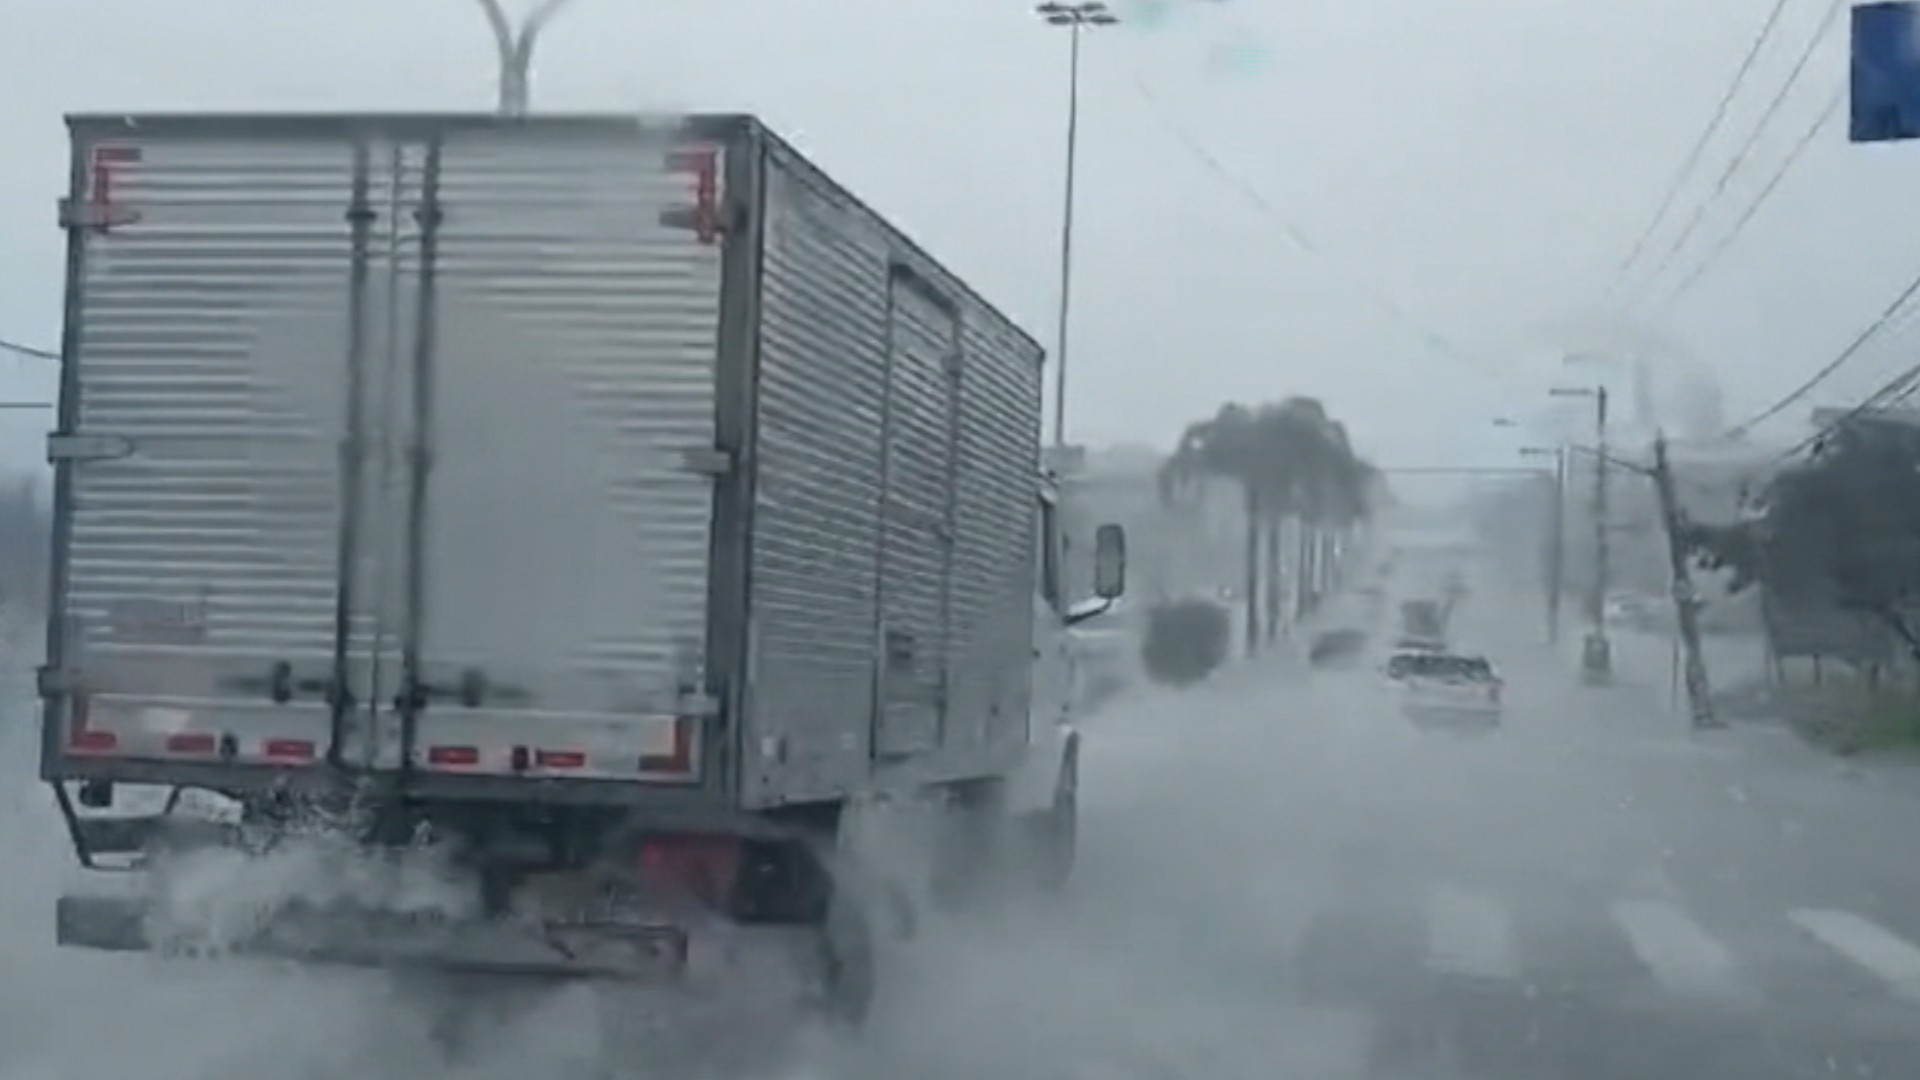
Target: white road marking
<point>1470,934</point>
<point>1683,957</point>
<point>1892,958</point>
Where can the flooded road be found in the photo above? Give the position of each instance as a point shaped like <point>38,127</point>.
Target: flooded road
<point>1280,878</point>
<point>1590,892</point>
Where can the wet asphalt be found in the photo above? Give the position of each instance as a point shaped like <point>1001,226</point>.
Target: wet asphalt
<point>1280,878</point>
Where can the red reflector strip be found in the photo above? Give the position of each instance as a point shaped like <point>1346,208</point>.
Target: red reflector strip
<point>93,741</point>
<point>704,164</point>
<point>289,749</point>
<point>680,759</point>
<point>191,743</point>
<point>692,159</point>
<point>453,755</point>
<point>82,739</point>
<point>559,759</point>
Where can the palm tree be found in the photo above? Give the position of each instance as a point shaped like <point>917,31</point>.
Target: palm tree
<point>1342,494</point>
<point>1288,456</point>
<point>1309,459</point>
<point>1291,461</point>
<point>1227,447</point>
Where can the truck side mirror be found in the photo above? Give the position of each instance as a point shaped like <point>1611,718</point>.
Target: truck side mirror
<point>1109,561</point>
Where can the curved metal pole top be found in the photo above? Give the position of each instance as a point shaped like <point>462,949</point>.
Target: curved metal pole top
<point>516,48</point>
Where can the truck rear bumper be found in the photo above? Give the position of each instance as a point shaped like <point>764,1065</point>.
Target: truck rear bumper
<point>386,940</point>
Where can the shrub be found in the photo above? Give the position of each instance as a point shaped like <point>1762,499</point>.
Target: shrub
<point>1185,640</point>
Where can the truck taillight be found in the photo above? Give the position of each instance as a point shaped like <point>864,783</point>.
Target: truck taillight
<point>703,865</point>
<point>82,739</point>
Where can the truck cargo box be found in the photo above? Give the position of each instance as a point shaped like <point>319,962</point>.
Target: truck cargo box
<point>582,459</point>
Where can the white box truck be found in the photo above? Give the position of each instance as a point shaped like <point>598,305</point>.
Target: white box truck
<point>612,502</point>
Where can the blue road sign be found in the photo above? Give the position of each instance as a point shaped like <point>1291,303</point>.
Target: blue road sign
<point>1886,72</point>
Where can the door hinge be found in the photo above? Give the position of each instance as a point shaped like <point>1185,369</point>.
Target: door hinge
<point>75,447</point>
<point>94,216</point>
<point>53,682</point>
<point>706,461</point>
<point>698,706</point>
<point>726,217</point>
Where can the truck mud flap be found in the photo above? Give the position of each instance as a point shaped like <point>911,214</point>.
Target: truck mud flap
<point>386,940</point>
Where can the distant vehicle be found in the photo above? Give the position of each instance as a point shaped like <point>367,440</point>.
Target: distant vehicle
<point>1637,610</point>
<point>1447,688</point>
<point>1423,622</point>
<point>1332,647</point>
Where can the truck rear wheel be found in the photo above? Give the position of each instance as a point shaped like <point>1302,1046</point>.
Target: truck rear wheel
<point>970,843</point>
<point>846,967</point>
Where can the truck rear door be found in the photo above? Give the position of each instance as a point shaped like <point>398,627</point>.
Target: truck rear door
<point>563,415</point>
<point>207,454</point>
<point>390,445</point>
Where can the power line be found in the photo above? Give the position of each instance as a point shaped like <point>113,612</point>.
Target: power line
<point>27,350</point>
<point>1752,140</point>
<point>1700,144</point>
<point>1806,139</point>
<point>1433,339</point>
<point>1896,390</point>
<point>1831,366</point>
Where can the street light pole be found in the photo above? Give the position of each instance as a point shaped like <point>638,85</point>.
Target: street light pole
<point>1075,17</point>
<point>516,50</point>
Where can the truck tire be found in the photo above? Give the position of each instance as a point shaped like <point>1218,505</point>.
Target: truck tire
<point>1054,833</point>
<point>969,846</point>
<point>846,971</point>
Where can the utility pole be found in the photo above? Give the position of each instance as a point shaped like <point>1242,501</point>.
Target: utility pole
<point>1596,653</point>
<point>1556,533</point>
<point>1075,17</point>
<point>1559,556</point>
<point>1597,660</point>
<point>1686,601</point>
<point>516,51</point>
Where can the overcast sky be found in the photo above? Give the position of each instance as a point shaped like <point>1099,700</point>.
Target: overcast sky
<point>1486,164</point>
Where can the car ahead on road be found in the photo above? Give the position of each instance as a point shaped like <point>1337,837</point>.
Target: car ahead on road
<point>1447,689</point>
